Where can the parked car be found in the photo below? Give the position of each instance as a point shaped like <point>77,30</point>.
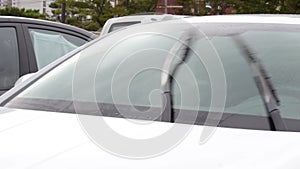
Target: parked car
<point>114,24</point>
<point>150,95</point>
<point>28,45</point>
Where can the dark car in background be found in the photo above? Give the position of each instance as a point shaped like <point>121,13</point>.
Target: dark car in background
<point>27,45</point>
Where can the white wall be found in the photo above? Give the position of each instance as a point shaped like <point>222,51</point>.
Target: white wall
<point>4,3</point>
<point>1,3</point>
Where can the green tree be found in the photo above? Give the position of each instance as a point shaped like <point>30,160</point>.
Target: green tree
<point>101,11</point>
<point>188,7</point>
<point>88,14</point>
<point>258,6</point>
<point>74,8</point>
<point>269,6</point>
<point>92,14</point>
<point>13,11</point>
<point>240,6</point>
<point>139,6</point>
<point>204,7</point>
<point>290,6</point>
<point>218,7</point>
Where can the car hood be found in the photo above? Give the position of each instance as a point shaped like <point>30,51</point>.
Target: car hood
<point>35,139</point>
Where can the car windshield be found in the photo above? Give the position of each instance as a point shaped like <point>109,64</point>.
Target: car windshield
<point>125,69</point>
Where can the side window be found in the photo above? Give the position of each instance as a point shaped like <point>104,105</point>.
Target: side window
<point>50,45</point>
<point>117,26</point>
<point>125,74</point>
<point>9,57</point>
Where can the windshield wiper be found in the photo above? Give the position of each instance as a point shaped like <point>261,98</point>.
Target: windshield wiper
<point>265,86</point>
<point>168,73</point>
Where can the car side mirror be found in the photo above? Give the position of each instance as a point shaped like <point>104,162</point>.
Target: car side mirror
<point>23,78</point>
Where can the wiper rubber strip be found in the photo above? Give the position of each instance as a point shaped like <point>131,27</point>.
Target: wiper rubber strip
<point>167,75</point>
<point>264,85</point>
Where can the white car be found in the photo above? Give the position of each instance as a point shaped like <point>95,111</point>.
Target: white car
<point>204,92</point>
<point>114,24</point>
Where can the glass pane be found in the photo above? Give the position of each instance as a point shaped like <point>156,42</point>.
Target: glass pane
<point>239,83</point>
<point>279,52</point>
<point>9,58</point>
<point>125,71</point>
<point>121,25</point>
<point>50,45</point>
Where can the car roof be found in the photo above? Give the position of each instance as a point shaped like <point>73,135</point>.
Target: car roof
<point>147,17</point>
<point>14,19</point>
<point>143,19</point>
<point>247,18</point>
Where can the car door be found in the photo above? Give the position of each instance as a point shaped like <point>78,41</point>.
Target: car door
<point>47,43</point>
<point>14,60</point>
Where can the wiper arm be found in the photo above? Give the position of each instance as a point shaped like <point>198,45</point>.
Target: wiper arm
<point>265,86</point>
<point>168,74</point>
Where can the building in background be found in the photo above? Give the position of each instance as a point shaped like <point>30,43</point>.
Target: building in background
<point>2,4</point>
<point>5,3</point>
<point>114,2</point>
<point>167,6</point>
<point>197,7</point>
<point>41,5</point>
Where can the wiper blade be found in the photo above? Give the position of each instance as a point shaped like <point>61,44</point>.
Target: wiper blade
<point>168,73</point>
<point>264,85</point>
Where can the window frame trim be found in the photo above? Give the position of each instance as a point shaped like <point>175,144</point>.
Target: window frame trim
<point>31,54</point>
<point>228,120</point>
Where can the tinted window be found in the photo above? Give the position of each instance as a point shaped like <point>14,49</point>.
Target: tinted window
<point>9,58</point>
<point>50,45</point>
<point>124,66</point>
<point>121,25</point>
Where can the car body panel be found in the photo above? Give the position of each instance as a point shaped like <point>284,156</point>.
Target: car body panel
<point>136,19</point>
<point>21,20</point>
<point>35,139</point>
<point>260,18</point>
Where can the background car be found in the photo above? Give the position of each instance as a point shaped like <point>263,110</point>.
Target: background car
<point>114,24</point>
<point>113,103</point>
<point>28,45</point>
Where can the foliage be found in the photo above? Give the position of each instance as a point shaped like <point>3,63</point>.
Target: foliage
<point>92,14</point>
<point>101,10</point>
<point>139,6</point>
<point>13,11</point>
<point>188,7</point>
<point>258,6</point>
<point>89,14</point>
<point>290,6</point>
<point>211,7</point>
<point>204,7</point>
